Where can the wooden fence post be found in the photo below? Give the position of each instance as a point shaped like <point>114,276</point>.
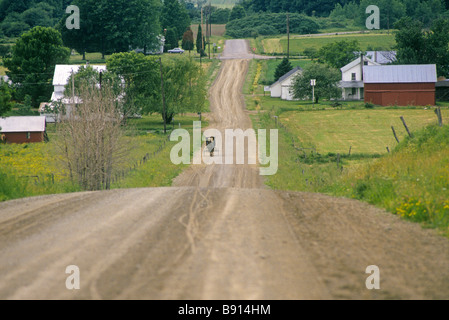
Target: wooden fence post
<point>406,128</point>
<point>440,118</point>
<point>394,133</point>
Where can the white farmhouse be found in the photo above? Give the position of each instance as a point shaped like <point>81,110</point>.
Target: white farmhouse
<point>61,78</point>
<point>352,78</point>
<point>282,87</point>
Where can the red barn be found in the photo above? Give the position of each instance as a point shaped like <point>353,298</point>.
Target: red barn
<point>400,85</point>
<point>22,129</point>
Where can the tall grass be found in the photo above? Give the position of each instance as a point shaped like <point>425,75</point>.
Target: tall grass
<point>413,181</point>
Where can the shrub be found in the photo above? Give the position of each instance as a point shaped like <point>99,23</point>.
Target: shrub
<point>270,24</point>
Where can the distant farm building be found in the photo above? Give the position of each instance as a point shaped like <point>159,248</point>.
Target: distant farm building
<point>61,78</point>
<point>400,85</point>
<point>351,83</point>
<point>382,57</point>
<point>22,129</point>
<point>282,87</point>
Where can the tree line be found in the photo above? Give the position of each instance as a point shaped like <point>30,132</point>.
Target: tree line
<point>323,8</point>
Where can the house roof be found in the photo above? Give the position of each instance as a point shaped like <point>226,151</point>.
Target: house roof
<point>357,62</point>
<point>382,57</point>
<point>64,71</point>
<point>287,75</point>
<point>22,124</point>
<point>422,73</point>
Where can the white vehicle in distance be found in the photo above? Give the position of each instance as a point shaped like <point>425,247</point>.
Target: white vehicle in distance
<point>176,50</point>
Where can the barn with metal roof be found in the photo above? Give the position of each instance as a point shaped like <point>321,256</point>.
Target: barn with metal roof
<point>400,85</point>
<point>22,129</point>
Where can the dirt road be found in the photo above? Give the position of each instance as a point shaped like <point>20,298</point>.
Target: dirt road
<point>217,234</point>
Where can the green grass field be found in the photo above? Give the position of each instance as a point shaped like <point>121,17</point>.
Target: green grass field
<point>366,131</point>
<point>224,3</point>
<point>374,41</point>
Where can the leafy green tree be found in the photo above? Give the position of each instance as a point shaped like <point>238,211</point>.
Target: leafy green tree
<point>284,67</point>
<point>4,50</point>
<point>5,98</point>
<point>238,12</point>
<point>88,77</point>
<point>113,26</point>
<point>187,40</point>
<point>327,80</point>
<point>220,15</point>
<point>32,63</point>
<point>37,16</point>
<point>340,53</point>
<point>184,89</point>
<point>171,39</point>
<point>184,84</point>
<point>141,77</point>
<point>174,15</point>
<point>416,46</point>
<point>311,53</point>
<point>270,24</point>
<point>13,25</point>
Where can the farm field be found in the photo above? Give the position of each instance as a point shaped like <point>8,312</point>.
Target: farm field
<point>298,44</point>
<point>366,131</point>
<point>224,3</point>
<point>39,168</point>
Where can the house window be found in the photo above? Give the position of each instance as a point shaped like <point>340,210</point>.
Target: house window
<point>353,76</point>
<point>28,135</point>
<point>365,63</point>
<point>354,91</point>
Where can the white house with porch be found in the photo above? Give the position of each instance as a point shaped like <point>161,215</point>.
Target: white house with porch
<point>352,78</point>
<point>282,87</point>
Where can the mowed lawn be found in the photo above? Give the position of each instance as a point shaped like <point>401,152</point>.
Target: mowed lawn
<point>299,44</point>
<point>366,131</point>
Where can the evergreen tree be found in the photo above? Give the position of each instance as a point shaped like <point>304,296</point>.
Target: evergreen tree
<point>284,67</point>
<point>199,37</point>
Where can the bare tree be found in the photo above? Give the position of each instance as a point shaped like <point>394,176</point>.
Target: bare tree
<point>91,137</point>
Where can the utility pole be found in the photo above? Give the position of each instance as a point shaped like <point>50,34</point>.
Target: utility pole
<point>202,44</point>
<point>288,36</point>
<point>164,116</point>
<point>73,88</point>
<point>210,25</point>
